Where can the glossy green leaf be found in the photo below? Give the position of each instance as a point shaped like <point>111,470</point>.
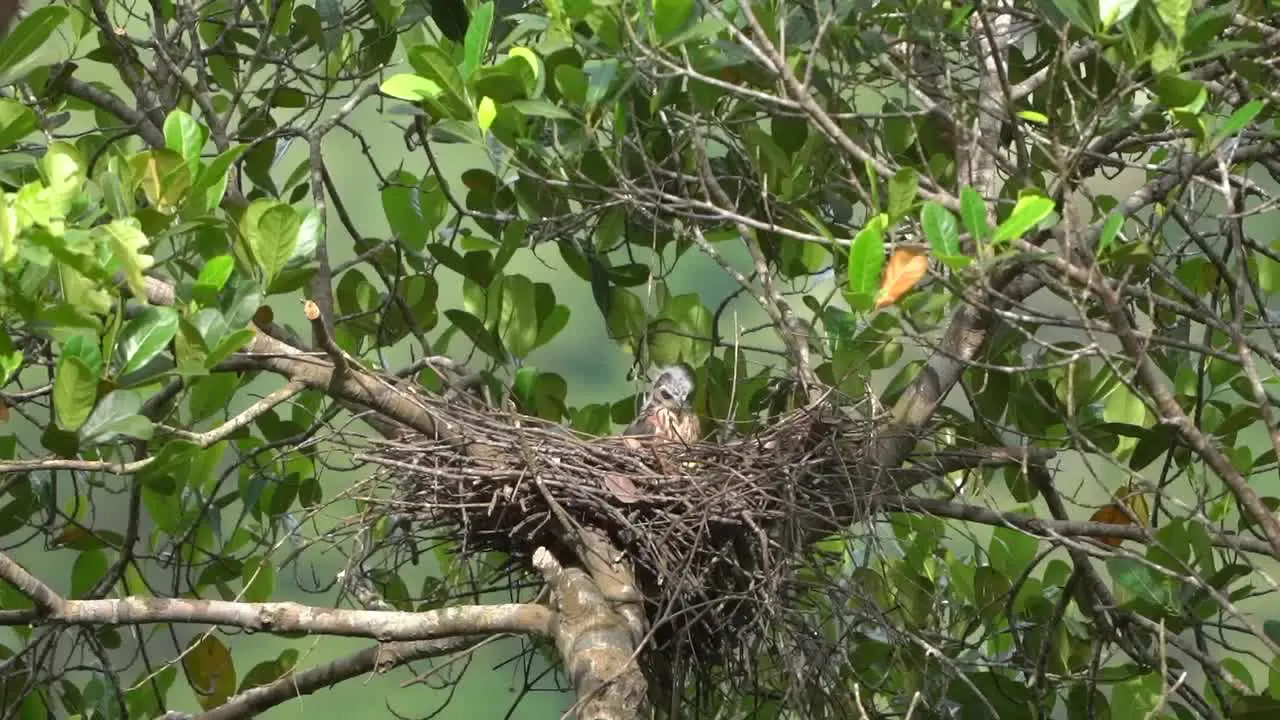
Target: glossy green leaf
<point>902,193</point>
<point>1107,235</point>
<point>146,336</point>
<point>476,42</point>
<point>16,122</point>
<point>114,418</point>
<point>185,136</point>
<point>1027,213</point>
<point>1111,12</point>
<point>211,184</point>
<point>28,35</point>
<point>414,88</point>
<point>212,278</point>
<point>486,111</point>
<point>866,258</point>
<point>973,213</point>
<point>228,345</point>
<point>943,233</point>
<point>127,241</point>
<point>75,387</point>
<point>1240,119</point>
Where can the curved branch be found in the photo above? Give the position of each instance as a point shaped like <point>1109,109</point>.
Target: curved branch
<point>377,658</point>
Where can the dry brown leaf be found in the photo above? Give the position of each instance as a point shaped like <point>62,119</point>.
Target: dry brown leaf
<point>1116,513</point>
<point>905,268</point>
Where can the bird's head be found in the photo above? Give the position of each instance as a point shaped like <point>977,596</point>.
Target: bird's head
<point>674,386</point>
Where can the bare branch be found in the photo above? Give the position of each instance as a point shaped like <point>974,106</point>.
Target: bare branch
<point>378,658</point>
<point>293,617</point>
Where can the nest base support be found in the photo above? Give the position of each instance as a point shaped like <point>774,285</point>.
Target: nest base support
<point>597,643</point>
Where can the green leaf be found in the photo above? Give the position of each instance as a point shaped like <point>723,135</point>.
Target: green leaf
<point>474,329</point>
<point>276,238</point>
<point>213,276</point>
<point>1179,93</point>
<point>185,136</point>
<point>89,568</point>
<point>75,387</point>
<point>145,337</point>
<point>600,77</point>
<point>308,237</point>
<point>1012,551</point>
<point>551,325</point>
<point>866,258</point>
<point>1137,697</point>
<point>10,358</point>
<point>670,16</point>
<point>486,111</point>
<point>126,239</point>
<point>973,212</point>
<point>518,320</point>
<point>943,233</point>
<point>164,176</point>
<point>1110,228</point>
<point>1027,213</point>
<point>259,578</point>
<point>691,343</point>
<point>270,232</point>
<point>115,417</point>
<point>402,204</point>
<point>26,38</point>
<point>902,193</point>
<point>211,184</point>
<point>1111,12</point>
<point>571,81</point>
<point>414,88</point>
<point>1234,124</point>
<point>224,348</point>
<point>16,122</point>
<point>476,41</point>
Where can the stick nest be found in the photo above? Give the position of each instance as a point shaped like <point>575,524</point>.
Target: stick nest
<point>718,535</point>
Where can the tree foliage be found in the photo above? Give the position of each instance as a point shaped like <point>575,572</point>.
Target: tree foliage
<point>1033,238</point>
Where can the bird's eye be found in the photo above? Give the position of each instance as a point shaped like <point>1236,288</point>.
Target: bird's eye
<point>664,393</point>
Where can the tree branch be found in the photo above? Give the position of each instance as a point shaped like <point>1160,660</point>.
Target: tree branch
<point>290,617</point>
<point>378,658</point>
<point>1045,528</point>
<point>596,644</point>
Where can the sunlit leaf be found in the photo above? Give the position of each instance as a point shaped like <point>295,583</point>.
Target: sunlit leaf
<point>905,268</point>
<point>1027,213</point>
<point>866,258</point>
<point>146,336</point>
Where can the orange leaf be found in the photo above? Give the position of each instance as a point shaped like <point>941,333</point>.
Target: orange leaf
<point>905,268</point>
<point>1112,514</point>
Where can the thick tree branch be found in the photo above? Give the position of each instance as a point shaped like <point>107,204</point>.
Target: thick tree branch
<point>293,617</point>
<point>596,643</point>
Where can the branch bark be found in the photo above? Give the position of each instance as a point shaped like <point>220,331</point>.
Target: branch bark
<point>274,617</point>
<point>597,644</point>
